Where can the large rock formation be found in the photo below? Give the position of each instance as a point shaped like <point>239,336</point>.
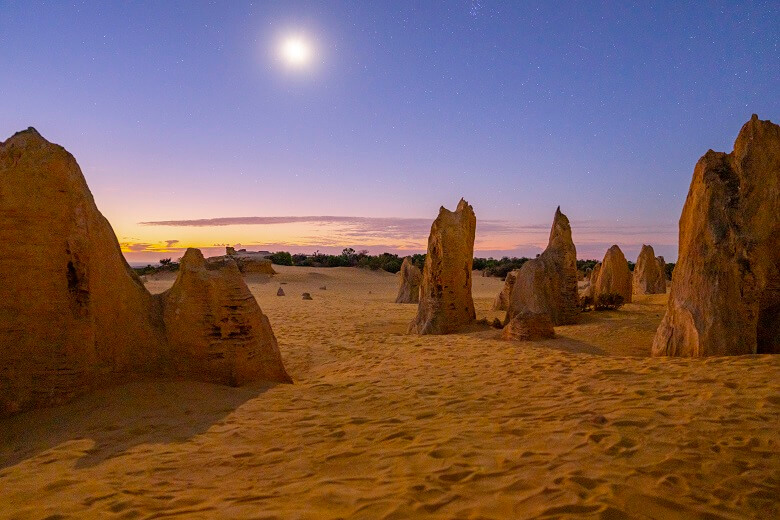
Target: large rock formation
<point>649,273</point>
<point>725,294</point>
<point>547,284</point>
<point>215,329</point>
<point>613,276</point>
<point>445,291</point>
<point>409,285</point>
<point>73,315</point>
<point>501,303</point>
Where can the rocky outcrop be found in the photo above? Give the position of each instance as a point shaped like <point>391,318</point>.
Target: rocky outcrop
<point>649,273</point>
<point>547,284</point>
<point>528,326</point>
<point>306,296</point>
<point>215,328</point>
<point>280,292</point>
<point>725,293</point>
<point>445,303</point>
<point>409,285</point>
<point>248,262</point>
<point>501,303</point>
<point>73,315</point>
<point>613,276</point>
<point>593,280</point>
<point>662,267</point>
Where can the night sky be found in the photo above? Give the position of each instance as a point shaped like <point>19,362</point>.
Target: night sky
<point>179,111</point>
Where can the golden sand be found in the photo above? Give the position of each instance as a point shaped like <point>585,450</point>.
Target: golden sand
<point>384,425</point>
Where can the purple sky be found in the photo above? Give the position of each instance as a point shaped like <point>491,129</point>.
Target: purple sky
<point>180,111</point>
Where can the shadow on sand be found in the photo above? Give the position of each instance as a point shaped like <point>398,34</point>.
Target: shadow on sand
<point>119,418</point>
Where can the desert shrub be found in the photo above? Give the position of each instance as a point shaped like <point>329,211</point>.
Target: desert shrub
<point>386,261</point>
<point>333,261</point>
<point>499,268</point>
<point>608,302</point>
<point>166,265</point>
<point>348,258</point>
<point>299,259</point>
<point>669,270</point>
<point>282,258</point>
<point>419,261</point>
<point>480,263</point>
<point>583,265</point>
<point>586,303</point>
<point>140,271</point>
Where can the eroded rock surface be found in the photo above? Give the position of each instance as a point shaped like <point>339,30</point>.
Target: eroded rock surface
<point>649,275</point>
<point>409,284</point>
<point>445,303</point>
<point>73,315</point>
<point>215,328</point>
<point>248,262</point>
<point>547,284</point>
<point>501,303</point>
<point>528,326</point>
<point>613,276</point>
<point>725,293</point>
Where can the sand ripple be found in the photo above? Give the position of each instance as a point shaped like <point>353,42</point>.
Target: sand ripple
<point>380,425</point>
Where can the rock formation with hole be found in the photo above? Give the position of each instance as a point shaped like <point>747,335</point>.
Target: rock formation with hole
<point>547,284</point>
<point>445,303</point>
<point>73,315</point>
<point>725,293</point>
<point>409,284</point>
<point>649,275</point>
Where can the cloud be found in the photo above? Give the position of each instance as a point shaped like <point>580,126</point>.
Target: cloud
<point>399,234</point>
<point>147,247</point>
<point>239,221</point>
<point>343,228</point>
<point>136,247</point>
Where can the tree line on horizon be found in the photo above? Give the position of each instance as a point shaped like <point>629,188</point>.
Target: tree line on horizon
<point>390,262</point>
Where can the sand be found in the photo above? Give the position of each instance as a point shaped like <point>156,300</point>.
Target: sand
<point>380,424</point>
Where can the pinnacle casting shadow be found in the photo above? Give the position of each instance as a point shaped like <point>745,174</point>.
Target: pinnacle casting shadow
<point>122,417</point>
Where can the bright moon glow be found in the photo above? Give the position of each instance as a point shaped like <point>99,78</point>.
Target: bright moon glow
<point>296,51</point>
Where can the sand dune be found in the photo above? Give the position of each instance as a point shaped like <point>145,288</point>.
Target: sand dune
<point>385,425</point>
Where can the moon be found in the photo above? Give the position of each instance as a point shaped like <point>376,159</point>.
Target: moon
<point>296,51</point>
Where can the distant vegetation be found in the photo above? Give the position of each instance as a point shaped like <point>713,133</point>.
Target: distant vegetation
<point>499,268</point>
<point>389,262</point>
<point>166,266</point>
<point>604,302</point>
<point>348,258</point>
